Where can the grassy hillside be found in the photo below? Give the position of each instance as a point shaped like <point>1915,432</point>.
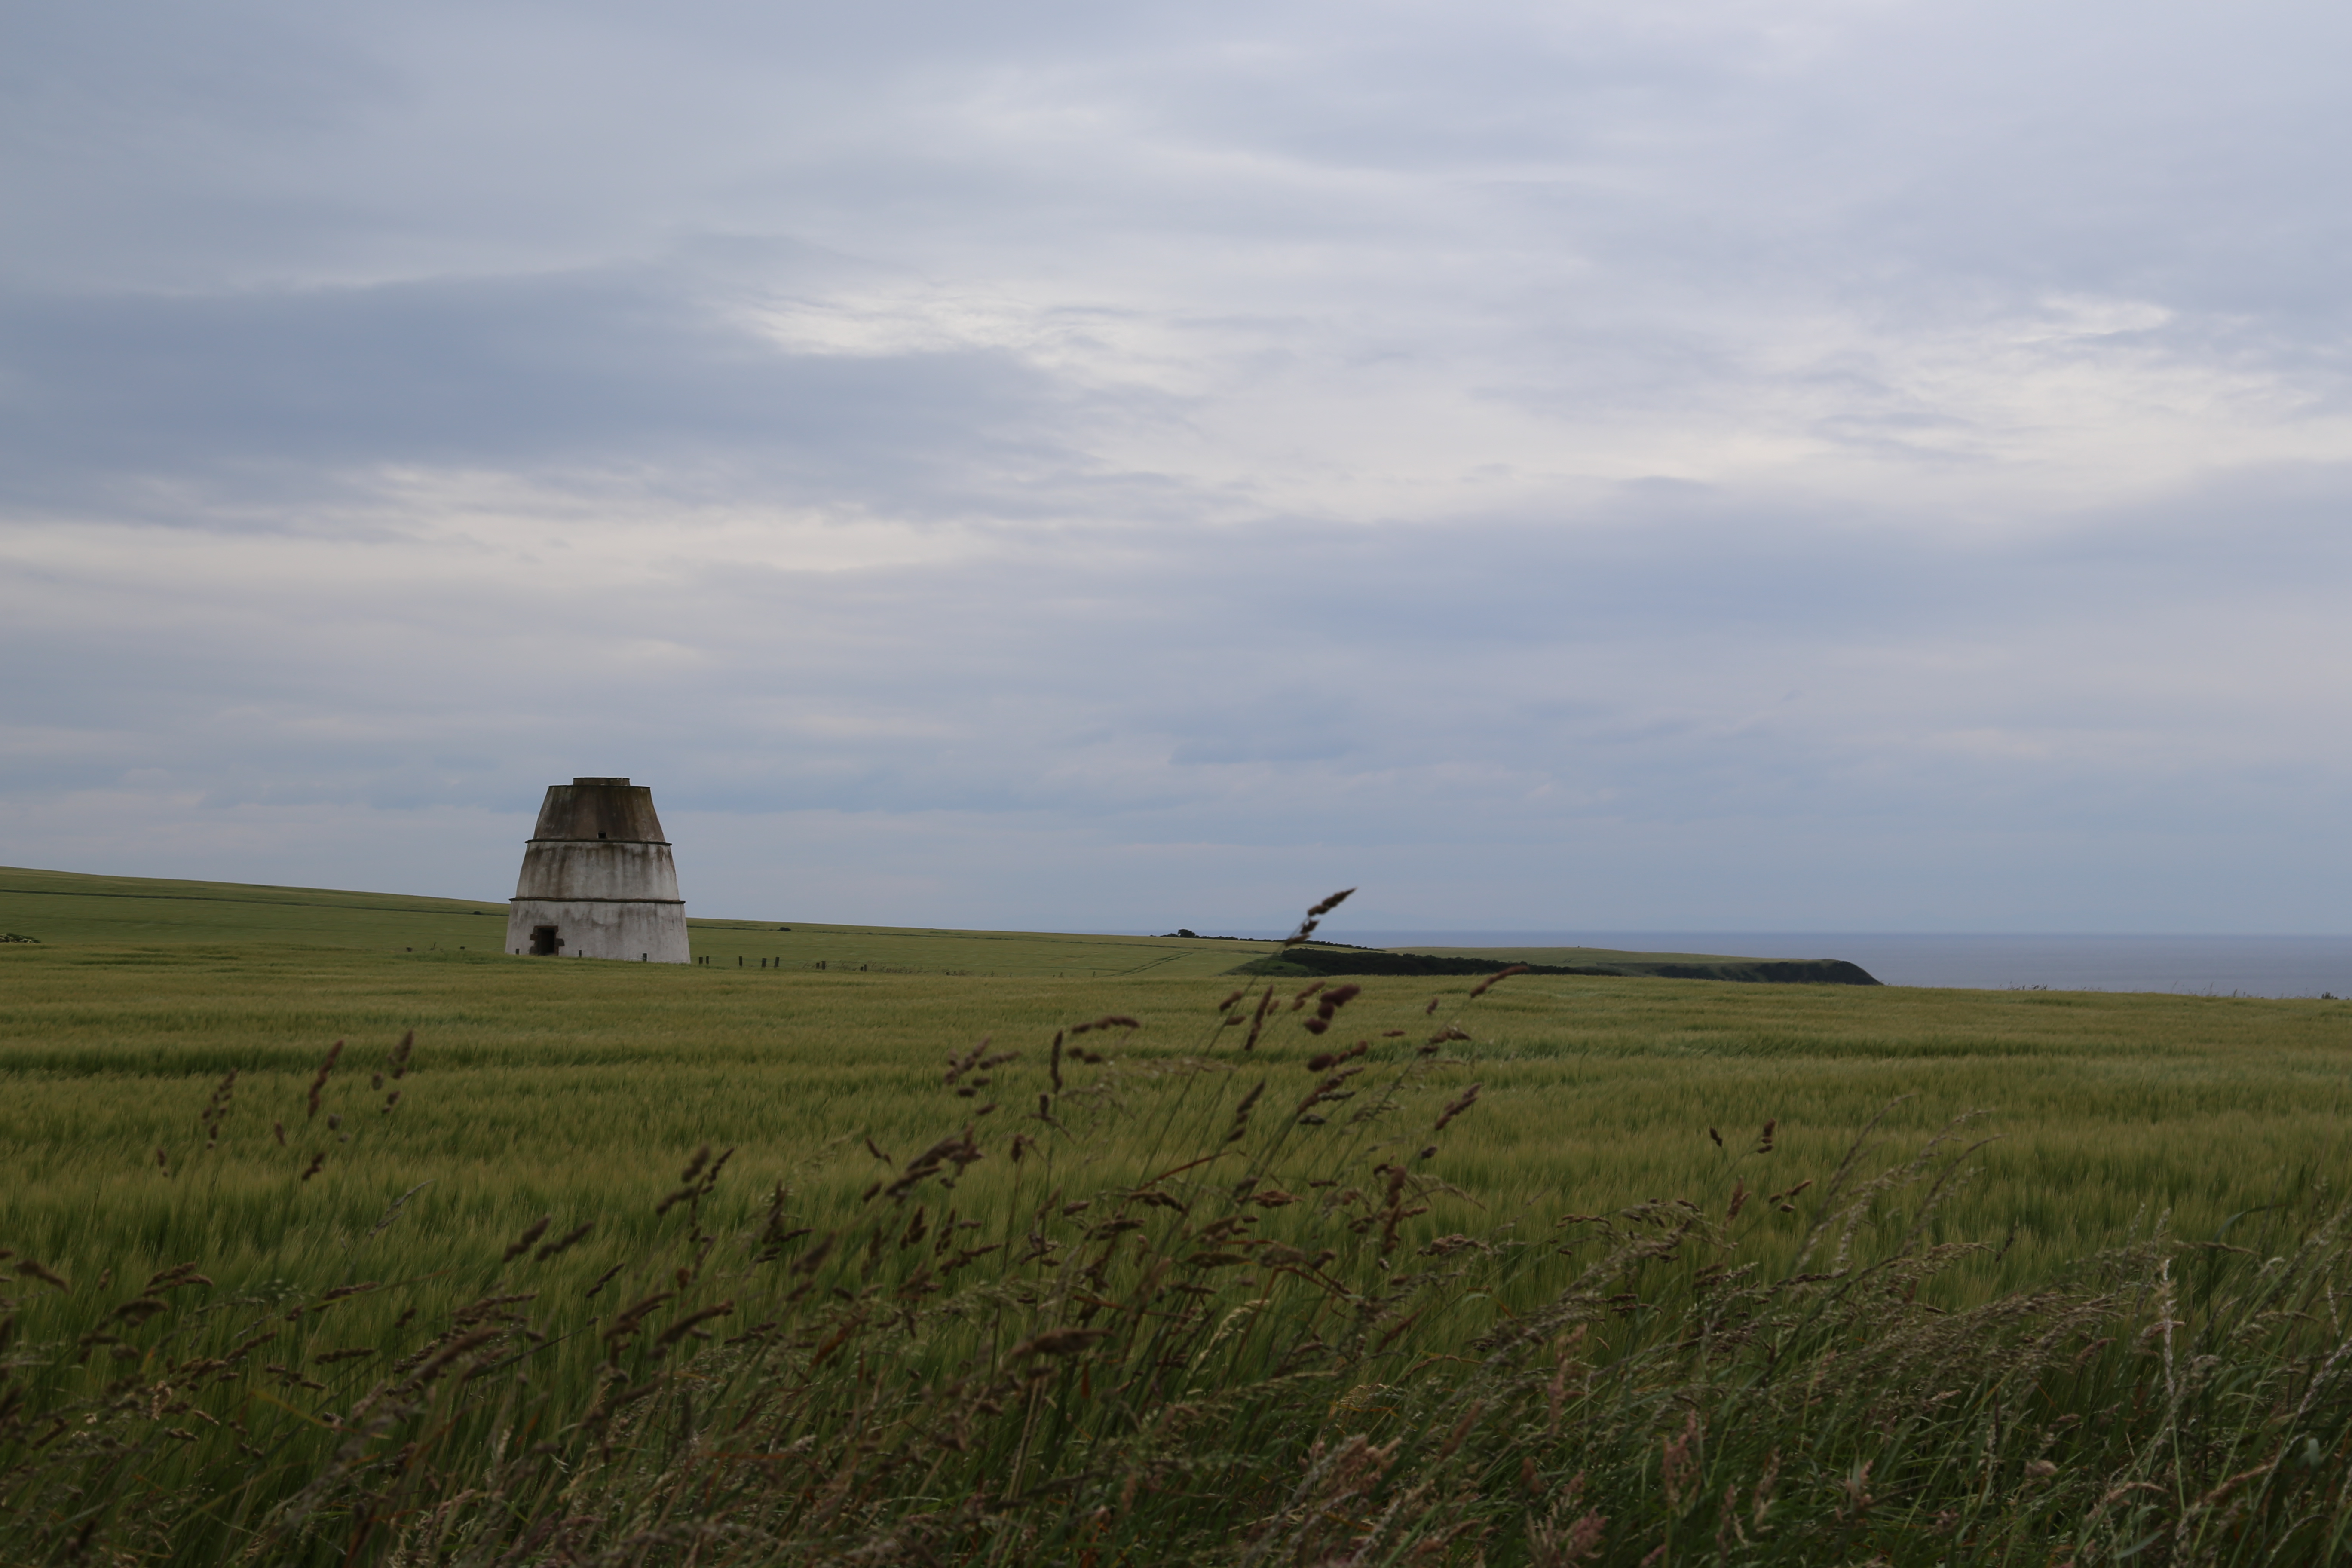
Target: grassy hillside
<point>55,907</point>
<point>64,907</point>
<point>2105,1104</point>
<point>1632,1146</point>
<point>68,906</point>
<point>1596,1092</point>
<point>977,1247</point>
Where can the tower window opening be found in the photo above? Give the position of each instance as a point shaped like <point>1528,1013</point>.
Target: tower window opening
<point>544,941</point>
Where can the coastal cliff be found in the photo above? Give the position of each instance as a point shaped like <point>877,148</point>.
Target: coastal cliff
<point>1310,960</point>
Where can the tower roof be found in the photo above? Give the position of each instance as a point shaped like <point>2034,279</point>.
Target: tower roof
<point>613,810</point>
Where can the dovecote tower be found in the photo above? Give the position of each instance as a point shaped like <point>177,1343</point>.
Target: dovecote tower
<point>598,879</point>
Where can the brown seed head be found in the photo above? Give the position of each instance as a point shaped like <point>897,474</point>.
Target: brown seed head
<point>531,1233</point>
<point>29,1269</point>
<point>1480,989</point>
<point>1468,1098</point>
<point>686,1325</point>
<point>318,1084</point>
<point>564,1243</point>
<point>1057,1341</point>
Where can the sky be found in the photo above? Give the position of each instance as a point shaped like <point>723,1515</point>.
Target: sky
<point>1824,465</point>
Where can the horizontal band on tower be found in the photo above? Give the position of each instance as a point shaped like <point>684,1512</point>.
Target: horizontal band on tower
<point>663,842</point>
<point>554,898</point>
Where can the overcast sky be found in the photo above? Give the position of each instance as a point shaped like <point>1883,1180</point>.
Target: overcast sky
<point>1815,465</point>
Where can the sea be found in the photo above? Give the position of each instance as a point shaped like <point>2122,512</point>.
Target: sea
<point>2191,965</point>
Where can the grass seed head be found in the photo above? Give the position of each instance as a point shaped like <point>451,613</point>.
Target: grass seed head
<point>1057,1341</point>
<point>564,1243</point>
<point>1480,989</point>
<point>531,1233</point>
<point>28,1270</point>
<point>1456,1106</point>
<point>318,1084</point>
<point>216,1110</point>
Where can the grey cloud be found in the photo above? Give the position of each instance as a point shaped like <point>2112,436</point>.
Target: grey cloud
<point>969,686</point>
<point>274,255</point>
<point>590,372</point>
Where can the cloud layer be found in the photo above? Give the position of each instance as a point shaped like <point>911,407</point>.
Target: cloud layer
<point>1846,465</point>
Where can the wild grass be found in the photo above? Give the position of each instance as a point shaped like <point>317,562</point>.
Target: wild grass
<point>908,1268</point>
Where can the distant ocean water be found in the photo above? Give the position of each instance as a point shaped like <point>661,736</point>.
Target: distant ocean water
<point>2249,965</point>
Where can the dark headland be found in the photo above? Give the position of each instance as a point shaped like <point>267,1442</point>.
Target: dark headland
<point>1316,959</point>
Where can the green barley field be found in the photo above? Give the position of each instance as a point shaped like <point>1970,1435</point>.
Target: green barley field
<point>866,1245</point>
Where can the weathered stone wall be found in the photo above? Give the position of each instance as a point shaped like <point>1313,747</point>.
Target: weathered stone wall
<point>622,929</point>
<point>592,870</point>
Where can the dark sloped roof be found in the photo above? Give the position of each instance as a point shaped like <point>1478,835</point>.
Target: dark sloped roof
<point>613,809</point>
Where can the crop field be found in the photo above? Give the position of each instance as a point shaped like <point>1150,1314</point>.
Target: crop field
<point>981,1246</point>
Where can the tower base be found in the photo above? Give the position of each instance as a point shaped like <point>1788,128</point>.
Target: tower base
<point>650,931</point>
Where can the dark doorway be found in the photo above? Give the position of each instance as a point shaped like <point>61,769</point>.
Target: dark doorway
<point>544,941</point>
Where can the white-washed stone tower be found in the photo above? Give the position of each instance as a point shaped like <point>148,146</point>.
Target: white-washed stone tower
<point>598,879</point>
